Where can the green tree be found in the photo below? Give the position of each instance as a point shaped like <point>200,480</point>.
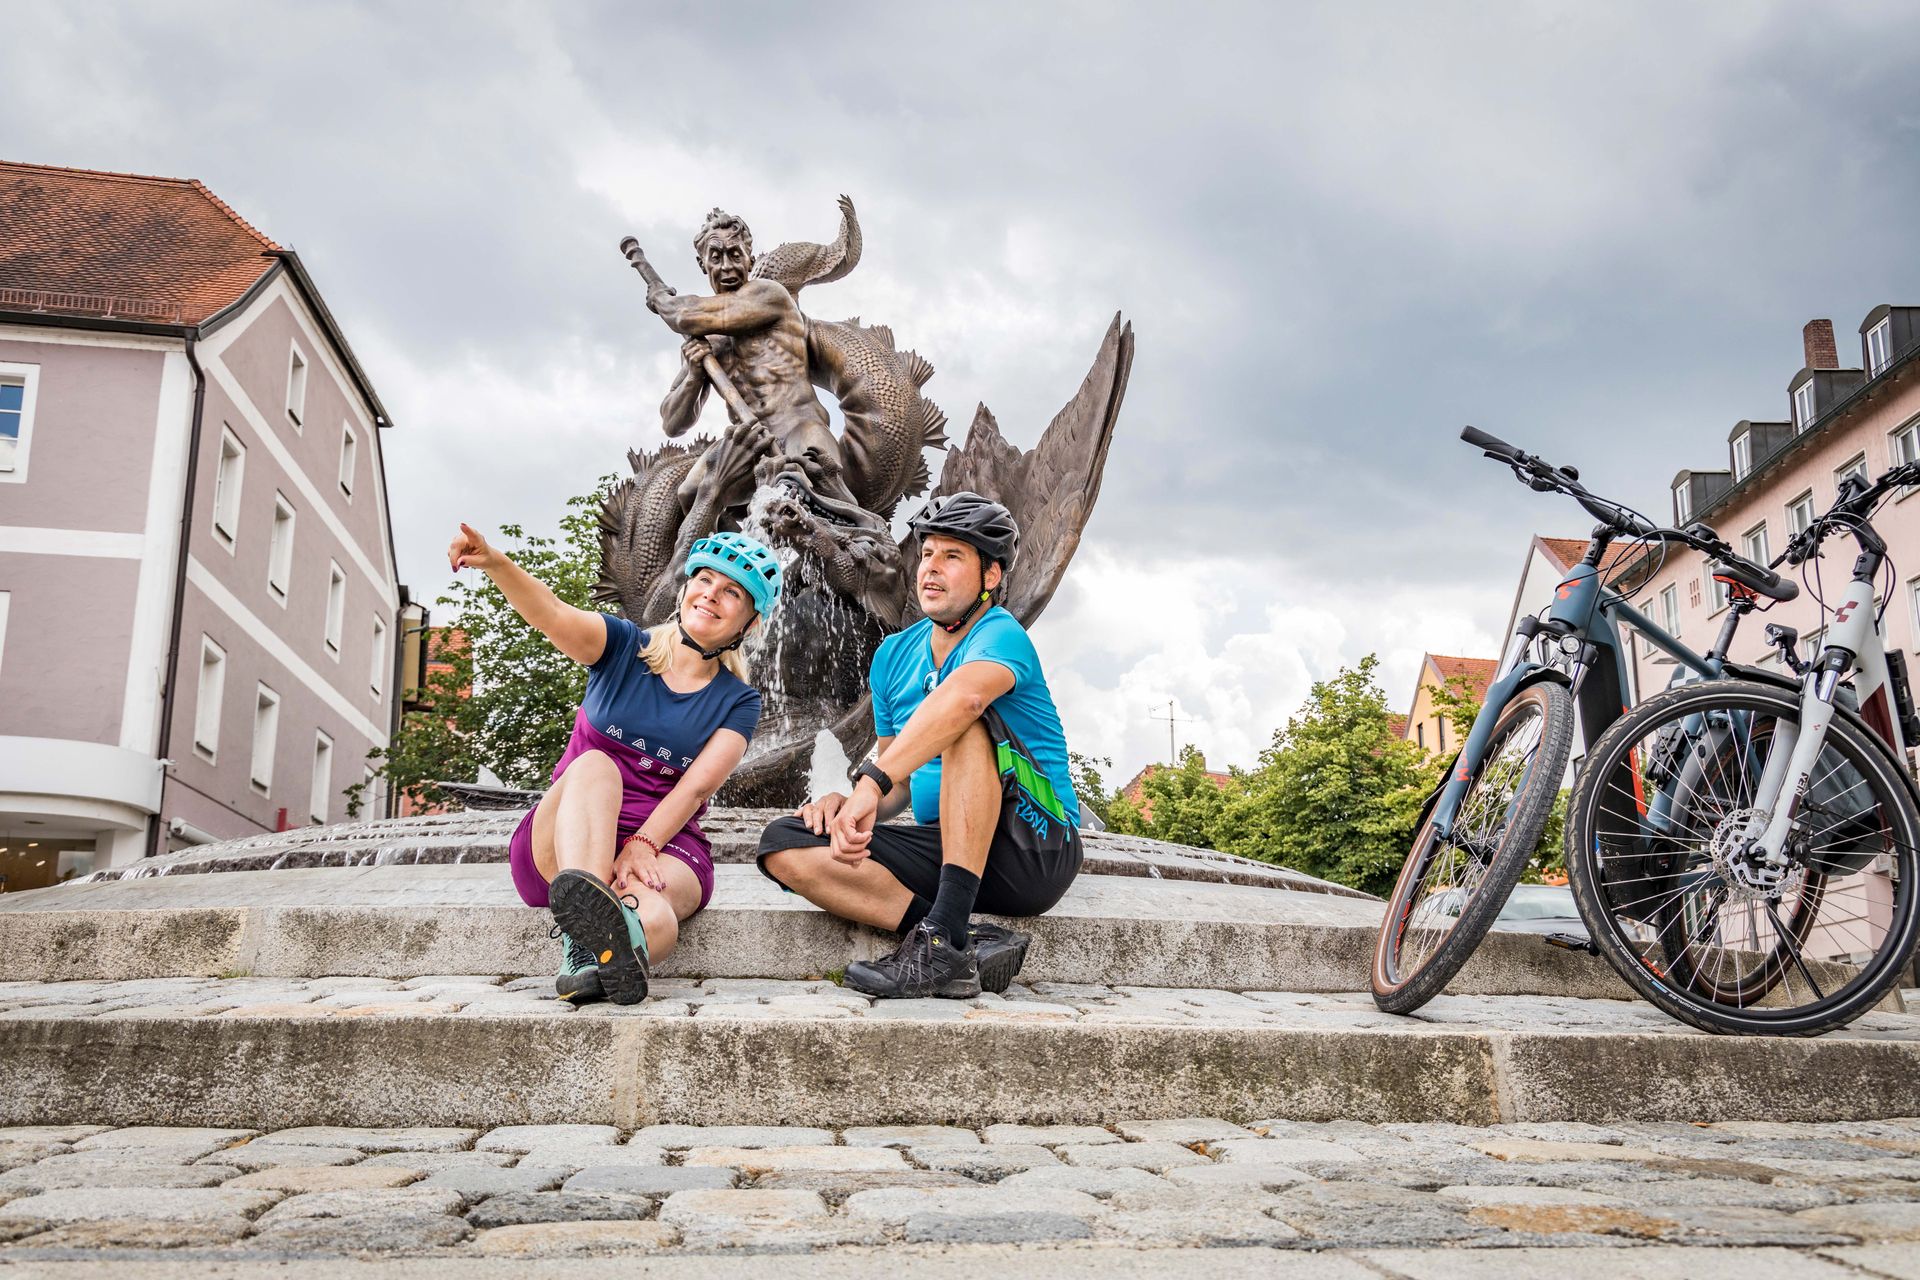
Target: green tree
<point>1089,783</point>
<point>1337,793</point>
<point>519,714</point>
<point>1185,802</point>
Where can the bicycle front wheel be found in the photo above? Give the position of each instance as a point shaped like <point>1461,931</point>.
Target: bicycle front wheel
<point>1663,871</point>
<point>1452,887</point>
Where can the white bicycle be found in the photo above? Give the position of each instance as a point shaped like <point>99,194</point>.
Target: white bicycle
<point>1743,850</point>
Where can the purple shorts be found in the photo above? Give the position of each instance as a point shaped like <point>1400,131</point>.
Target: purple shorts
<point>533,886</point>
<point>642,788</point>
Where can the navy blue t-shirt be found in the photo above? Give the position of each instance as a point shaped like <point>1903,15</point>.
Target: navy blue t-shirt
<point>629,703</point>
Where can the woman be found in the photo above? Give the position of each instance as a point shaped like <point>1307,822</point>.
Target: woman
<point>615,846</point>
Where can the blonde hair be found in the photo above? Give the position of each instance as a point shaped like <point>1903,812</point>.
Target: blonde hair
<point>664,637</point>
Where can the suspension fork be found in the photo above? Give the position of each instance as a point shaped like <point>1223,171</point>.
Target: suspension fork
<point>1513,670</point>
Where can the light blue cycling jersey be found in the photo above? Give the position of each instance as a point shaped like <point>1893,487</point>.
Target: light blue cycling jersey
<point>903,674</point>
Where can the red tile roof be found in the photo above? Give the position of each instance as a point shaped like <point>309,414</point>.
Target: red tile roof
<point>1566,552</point>
<point>161,250</point>
<point>1478,672</point>
<point>1397,725</point>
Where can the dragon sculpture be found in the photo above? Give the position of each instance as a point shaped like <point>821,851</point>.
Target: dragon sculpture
<point>848,578</point>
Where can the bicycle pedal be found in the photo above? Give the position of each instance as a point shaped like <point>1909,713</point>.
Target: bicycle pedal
<point>1571,942</point>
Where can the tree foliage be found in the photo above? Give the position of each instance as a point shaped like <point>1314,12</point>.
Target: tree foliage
<point>1184,803</point>
<point>519,714</point>
<point>1336,794</point>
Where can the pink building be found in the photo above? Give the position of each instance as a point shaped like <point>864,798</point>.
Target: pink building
<point>198,594</point>
<point>1779,475</point>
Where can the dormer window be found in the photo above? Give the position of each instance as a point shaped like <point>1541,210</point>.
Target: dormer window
<point>1742,456</point>
<point>1879,347</point>
<point>1682,502</point>
<point>1803,405</point>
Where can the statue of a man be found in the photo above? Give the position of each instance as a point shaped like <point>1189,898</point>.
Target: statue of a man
<point>754,329</point>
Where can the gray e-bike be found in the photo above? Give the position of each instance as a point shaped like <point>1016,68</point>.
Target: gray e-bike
<point>1483,823</point>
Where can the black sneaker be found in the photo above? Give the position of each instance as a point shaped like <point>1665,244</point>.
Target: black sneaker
<point>1000,952</point>
<point>591,914</point>
<point>922,965</point>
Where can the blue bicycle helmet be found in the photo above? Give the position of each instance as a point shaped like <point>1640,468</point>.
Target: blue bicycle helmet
<point>745,560</point>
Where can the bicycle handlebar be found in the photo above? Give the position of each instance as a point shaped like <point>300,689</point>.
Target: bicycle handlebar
<point>1543,475</point>
<point>1849,514</point>
<point>1491,444</point>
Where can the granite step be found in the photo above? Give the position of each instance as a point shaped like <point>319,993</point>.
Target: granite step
<point>430,839</point>
<point>485,1051</point>
<point>406,921</point>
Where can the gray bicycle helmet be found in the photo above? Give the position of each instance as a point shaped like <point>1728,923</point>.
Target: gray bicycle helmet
<point>981,522</point>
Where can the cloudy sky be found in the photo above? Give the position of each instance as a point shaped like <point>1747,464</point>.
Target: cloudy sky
<point>1341,231</point>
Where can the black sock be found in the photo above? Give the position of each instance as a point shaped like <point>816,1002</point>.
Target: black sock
<point>954,903</point>
<point>916,912</point>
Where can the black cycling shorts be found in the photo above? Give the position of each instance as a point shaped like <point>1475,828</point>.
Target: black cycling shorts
<point>1034,855</point>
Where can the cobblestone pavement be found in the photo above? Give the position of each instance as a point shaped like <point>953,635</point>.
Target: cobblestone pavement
<point>1392,1200</point>
<point>760,998</point>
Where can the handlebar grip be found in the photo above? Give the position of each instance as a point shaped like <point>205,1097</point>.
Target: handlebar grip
<point>1492,444</point>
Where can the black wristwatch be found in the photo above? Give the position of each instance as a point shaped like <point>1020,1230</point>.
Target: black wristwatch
<point>868,769</point>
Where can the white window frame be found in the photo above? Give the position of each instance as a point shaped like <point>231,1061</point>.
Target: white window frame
<point>1742,456</point>
<point>1880,359</point>
<point>228,482</point>
<point>1683,502</point>
<point>266,736</point>
<point>1903,446</point>
<point>1855,465</point>
<point>336,608</point>
<point>6,598</point>
<point>349,457</point>
<point>1717,593</point>
<point>1803,405</point>
<point>1670,609</point>
<point>280,550</point>
<point>322,777</point>
<point>1795,525</point>
<point>210,700</point>
<point>298,367</point>
<point>377,676</point>
<point>1753,544</point>
<point>28,375</point>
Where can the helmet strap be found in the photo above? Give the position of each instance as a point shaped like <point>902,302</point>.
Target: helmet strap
<point>984,597</point>
<point>710,654</point>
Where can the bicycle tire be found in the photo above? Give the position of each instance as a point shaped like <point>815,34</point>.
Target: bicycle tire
<point>1398,988</point>
<point>1599,834</point>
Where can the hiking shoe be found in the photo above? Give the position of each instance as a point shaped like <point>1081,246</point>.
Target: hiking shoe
<point>579,979</point>
<point>1000,953</point>
<point>608,928</point>
<point>922,965</point>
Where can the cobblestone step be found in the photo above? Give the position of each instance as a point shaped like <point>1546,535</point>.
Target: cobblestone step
<point>457,1050</point>
<point>1272,1197</point>
<point>409,921</point>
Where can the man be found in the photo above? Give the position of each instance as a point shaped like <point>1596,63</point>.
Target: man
<point>969,736</point>
<point>762,348</point>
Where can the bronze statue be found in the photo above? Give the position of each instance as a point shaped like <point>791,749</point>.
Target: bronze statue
<point>827,502</point>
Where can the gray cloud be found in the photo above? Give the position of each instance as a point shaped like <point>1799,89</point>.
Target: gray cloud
<point>1341,233</point>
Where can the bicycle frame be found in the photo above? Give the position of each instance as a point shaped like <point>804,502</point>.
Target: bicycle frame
<point>1587,612</point>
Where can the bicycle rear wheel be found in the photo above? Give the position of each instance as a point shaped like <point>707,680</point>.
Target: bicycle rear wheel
<point>1451,888</point>
<point>1657,859</point>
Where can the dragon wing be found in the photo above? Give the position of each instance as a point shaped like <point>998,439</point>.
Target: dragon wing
<point>1050,489</point>
<point>800,264</point>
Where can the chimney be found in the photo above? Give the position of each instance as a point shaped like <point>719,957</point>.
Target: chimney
<point>1818,339</point>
